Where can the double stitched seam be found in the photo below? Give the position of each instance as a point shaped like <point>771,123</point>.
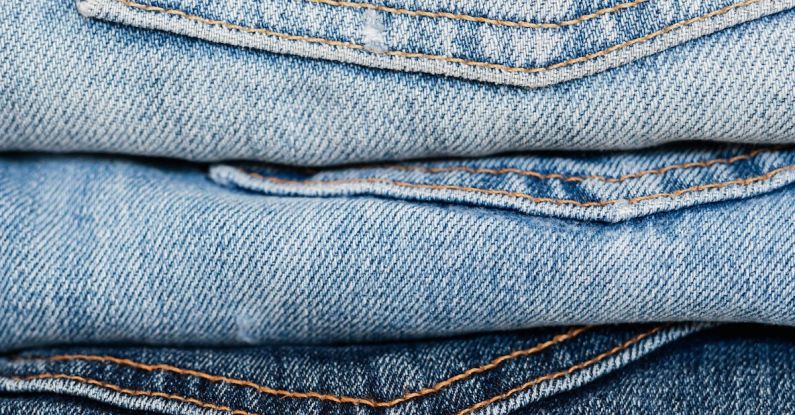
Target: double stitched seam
<point>478,19</point>
<point>179,398</point>
<point>133,392</point>
<point>462,61</point>
<point>563,373</point>
<point>534,199</point>
<point>566,178</point>
<point>328,397</point>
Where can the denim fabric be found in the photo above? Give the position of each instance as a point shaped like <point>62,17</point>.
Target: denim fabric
<point>374,213</point>
<point>39,404</point>
<point>731,370</point>
<point>72,83</point>
<point>603,187</point>
<point>493,374</point>
<point>529,46</point>
<point>101,250</point>
<point>677,370</point>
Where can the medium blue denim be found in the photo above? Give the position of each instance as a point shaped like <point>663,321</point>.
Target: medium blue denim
<point>113,250</point>
<point>278,277</point>
<point>75,83</point>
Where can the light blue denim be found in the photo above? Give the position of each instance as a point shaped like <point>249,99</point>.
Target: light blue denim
<point>114,250</point>
<point>504,43</point>
<point>202,88</point>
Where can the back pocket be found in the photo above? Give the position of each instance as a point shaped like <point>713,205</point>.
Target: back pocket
<point>607,187</point>
<point>504,41</point>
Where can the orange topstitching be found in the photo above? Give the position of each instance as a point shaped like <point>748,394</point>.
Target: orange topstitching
<point>525,196</point>
<point>478,19</point>
<point>328,397</point>
<point>462,61</point>
<point>550,376</point>
<point>565,178</point>
<point>562,373</point>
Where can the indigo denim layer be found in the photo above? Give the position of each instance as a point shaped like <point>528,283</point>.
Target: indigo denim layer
<point>731,370</point>
<point>493,374</point>
<point>688,70</point>
<point>115,250</point>
<point>679,369</point>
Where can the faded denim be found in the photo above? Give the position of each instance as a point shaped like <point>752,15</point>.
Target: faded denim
<point>103,250</point>
<point>381,207</point>
<point>74,83</point>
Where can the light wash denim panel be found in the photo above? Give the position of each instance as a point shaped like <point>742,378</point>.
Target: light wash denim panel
<point>320,82</point>
<point>485,374</point>
<point>681,369</point>
<point>103,250</point>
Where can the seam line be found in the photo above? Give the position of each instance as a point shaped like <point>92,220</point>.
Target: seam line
<point>329,397</point>
<point>449,59</point>
<point>534,199</point>
<point>562,373</point>
<point>565,178</point>
<point>468,410</point>
<point>479,19</point>
<point>133,392</point>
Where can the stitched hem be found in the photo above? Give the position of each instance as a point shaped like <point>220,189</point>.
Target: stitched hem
<point>555,375</point>
<point>426,56</point>
<point>225,32</point>
<point>131,392</point>
<point>534,199</point>
<point>479,19</point>
<point>587,365</point>
<point>439,386</point>
<point>566,178</point>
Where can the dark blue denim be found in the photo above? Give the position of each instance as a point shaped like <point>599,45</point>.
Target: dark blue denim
<point>39,404</point>
<point>727,370</point>
<point>680,369</point>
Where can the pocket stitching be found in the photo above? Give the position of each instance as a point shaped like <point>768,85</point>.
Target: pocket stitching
<point>565,178</point>
<point>534,199</point>
<point>550,376</point>
<point>480,19</point>
<point>340,399</point>
<point>449,59</point>
<point>533,382</point>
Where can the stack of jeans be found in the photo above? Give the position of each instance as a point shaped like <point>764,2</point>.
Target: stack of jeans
<point>388,207</point>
